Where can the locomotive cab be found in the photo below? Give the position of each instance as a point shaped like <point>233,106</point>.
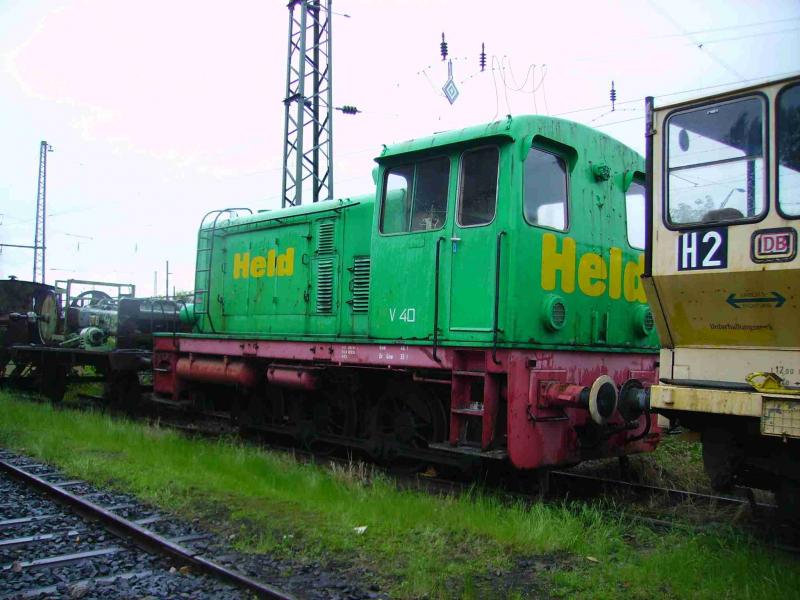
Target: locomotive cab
<point>723,277</point>
<point>533,230</point>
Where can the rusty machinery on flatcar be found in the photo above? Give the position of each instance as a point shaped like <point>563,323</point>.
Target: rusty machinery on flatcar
<point>47,331</point>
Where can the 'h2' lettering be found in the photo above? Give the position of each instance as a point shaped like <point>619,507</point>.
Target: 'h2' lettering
<point>703,249</point>
<point>689,251</point>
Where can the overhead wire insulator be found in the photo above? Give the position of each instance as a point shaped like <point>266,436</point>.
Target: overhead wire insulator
<point>613,96</point>
<point>347,109</point>
<point>482,57</point>
<point>443,48</point>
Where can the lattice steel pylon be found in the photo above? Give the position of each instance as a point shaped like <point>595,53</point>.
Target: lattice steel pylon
<point>39,242</point>
<point>309,104</point>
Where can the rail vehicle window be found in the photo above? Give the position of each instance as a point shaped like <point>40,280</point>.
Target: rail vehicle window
<point>478,186</point>
<point>634,214</point>
<point>716,163</point>
<point>415,196</point>
<point>788,121</point>
<point>545,190</point>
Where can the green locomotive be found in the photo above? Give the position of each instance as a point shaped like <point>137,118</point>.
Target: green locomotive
<point>486,300</point>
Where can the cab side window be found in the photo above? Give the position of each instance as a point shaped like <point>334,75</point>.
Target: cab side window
<point>415,196</point>
<point>478,193</point>
<point>634,214</point>
<point>545,190</point>
<point>788,119</point>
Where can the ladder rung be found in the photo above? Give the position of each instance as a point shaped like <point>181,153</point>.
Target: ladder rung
<point>470,373</point>
<point>469,412</point>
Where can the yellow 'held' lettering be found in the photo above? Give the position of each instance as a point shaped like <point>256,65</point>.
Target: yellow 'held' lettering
<point>241,265</point>
<point>592,272</point>
<point>615,274</point>
<point>554,262</point>
<point>634,290</point>
<point>286,263</point>
<point>258,266</point>
<point>271,265</point>
<point>596,274</point>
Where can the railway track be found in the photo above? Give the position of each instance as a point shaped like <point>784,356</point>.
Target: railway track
<point>757,517</point>
<point>662,508</point>
<point>559,482</point>
<point>58,542</point>
<point>554,485</point>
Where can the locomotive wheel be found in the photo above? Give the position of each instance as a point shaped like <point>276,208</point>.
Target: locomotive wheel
<point>89,298</point>
<point>722,457</point>
<point>46,309</point>
<point>258,409</point>
<point>406,415</point>
<point>787,497</point>
<point>122,391</point>
<point>52,381</point>
<point>333,413</point>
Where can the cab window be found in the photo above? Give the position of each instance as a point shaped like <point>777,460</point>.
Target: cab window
<point>545,190</point>
<point>634,214</point>
<point>415,196</point>
<point>478,192</point>
<point>715,165</point>
<point>788,121</point>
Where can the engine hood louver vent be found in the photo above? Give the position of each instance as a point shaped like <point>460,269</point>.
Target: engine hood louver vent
<point>361,271</point>
<point>325,286</point>
<point>325,239</point>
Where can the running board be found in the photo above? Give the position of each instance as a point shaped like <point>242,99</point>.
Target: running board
<point>470,451</point>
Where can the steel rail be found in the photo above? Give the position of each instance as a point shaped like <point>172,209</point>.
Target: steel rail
<point>652,490</point>
<point>670,492</point>
<point>143,536</point>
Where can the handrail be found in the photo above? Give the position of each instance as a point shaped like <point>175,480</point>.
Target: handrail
<point>495,324</point>
<point>279,219</point>
<point>436,300</point>
<point>211,256</point>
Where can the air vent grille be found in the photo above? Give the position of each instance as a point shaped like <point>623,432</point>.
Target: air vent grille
<point>649,321</point>
<point>361,267</point>
<point>558,314</point>
<point>325,286</point>
<point>325,239</point>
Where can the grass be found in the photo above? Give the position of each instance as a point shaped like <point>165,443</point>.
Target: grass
<point>415,545</point>
<point>675,463</point>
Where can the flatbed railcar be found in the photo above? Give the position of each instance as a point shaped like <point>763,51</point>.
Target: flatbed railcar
<point>79,331</point>
<point>484,301</point>
<point>723,279</point>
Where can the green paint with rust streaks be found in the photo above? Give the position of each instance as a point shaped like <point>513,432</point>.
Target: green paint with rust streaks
<point>356,270</point>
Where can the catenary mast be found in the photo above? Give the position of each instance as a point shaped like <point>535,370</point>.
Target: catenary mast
<point>308,129</point>
<point>39,242</point>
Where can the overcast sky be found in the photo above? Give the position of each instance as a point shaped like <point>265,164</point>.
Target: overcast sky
<point>160,111</point>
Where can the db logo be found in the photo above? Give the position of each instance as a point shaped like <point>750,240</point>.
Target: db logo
<point>774,245</point>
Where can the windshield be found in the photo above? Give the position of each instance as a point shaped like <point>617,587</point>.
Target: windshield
<point>715,166</point>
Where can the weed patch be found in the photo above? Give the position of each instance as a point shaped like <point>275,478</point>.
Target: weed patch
<point>414,545</point>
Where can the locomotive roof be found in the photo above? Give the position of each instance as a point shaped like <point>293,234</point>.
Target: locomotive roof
<point>295,211</point>
<point>518,128</point>
<point>511,128</point>
<point>731,90</point>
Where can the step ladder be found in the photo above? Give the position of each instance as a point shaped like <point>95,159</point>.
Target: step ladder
<point>474,400</point>
<point>205,253</point>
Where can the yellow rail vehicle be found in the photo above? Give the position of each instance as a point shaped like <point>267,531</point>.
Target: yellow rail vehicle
<point>722,276</point>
